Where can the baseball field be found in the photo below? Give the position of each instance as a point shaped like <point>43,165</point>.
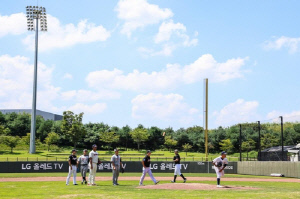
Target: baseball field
<point>52,185</point>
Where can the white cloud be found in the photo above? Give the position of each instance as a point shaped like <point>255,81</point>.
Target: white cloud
<point>88,109</point>
<point>87,95</point>
<point>16,77</point>
<point>14,24</point>
<point>166,32</point>
<point>293,116</point>
<point>67,76</point>
<point>166,29</point>
<point>170,77</point>
<point>207,66</point>
<point>167,50</point>
<point>237,112</point>
<point>170,107</point>
<point>139,13</point>
<point>290,43</point>
<point>61,36</point>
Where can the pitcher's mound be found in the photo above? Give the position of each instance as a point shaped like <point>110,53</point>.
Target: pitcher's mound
<point>195,186</point>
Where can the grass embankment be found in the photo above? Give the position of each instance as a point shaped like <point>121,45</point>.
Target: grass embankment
<point>22,155</point>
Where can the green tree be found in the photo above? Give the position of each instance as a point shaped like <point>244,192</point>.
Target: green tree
<point>10,141</point>
<point>44,129</point>
<point>52,138</point>
<point>268,140</point>
<point>109,137</point>
<point>186,147</point>
<point>226,145</point>
<point>26,140</point>
<point>19,124</point>
<point>125,138</point>
<point>248,145</point>
<point>139,135</point>
<point>209,147</point>
<point>72,126</point>
<point>3,130</point>
<point>169,142</point>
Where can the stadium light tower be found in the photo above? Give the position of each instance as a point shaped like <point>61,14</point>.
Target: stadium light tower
<point>35,13</point>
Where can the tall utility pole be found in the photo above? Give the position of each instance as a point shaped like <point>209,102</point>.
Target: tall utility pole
<point>259,147</point>
<point>240,142</point>
<point>282,148</point>
<point>35,13</point>
<point>206,119</point>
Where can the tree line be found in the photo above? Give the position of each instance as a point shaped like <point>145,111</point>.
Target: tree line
<point>15,129</point>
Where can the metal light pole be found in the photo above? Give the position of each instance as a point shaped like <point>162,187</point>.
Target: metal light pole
<point>240,142</point>
<point>282,148</point>
<point>259,144</point>
<point>206,119</point>
<point>35,13</point>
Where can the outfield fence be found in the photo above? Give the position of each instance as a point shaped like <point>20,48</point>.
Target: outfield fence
<point>266,168</point>
<point>133,166</point>
<point>57,159</point>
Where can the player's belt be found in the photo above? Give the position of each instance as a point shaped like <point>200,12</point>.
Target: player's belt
<point>84,164</point>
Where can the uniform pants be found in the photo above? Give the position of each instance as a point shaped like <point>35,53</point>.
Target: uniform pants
<point>145,171</point>
<point>73,170</point>
<point>83,169</point>
<point>219,174</point>
<point>177,169</point>
<point>116,173</point>
<point>92,173</point>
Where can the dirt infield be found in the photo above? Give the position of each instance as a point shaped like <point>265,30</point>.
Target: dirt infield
<point>190,186</point>
<point>40,179</point>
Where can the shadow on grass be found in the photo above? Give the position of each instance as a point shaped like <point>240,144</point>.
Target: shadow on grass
<point>9,153</point>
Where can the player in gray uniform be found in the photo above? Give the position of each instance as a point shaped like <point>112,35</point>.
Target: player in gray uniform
<point>117,164</point>
<point>83,160</point>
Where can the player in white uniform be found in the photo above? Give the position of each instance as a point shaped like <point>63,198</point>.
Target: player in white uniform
<point>176,160</point>
<point>94,160</point>
<point>72,167</point>
<point>220,163</point>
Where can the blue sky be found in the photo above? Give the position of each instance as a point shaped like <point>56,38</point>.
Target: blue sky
<point>137,61</point>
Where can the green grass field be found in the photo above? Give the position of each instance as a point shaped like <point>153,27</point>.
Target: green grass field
<point>128,189</point>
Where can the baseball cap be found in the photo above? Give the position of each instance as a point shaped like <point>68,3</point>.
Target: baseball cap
<point>74,150</point>
<point>223,153</point>
<point>94,145</point>
<point>176,150</point>
<point>148,151</point>
<point>85,150</point>
<point>116,150</point>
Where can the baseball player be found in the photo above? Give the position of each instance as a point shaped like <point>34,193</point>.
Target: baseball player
<point>117,164</point>
<point>176,160</point>
<point>72,167</point>
<point>147,169</point>
<point>83,160</point>
<point>220,163</point>
<point>93,161</point>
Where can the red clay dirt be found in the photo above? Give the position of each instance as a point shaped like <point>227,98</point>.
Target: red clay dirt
<point>191,186</point>
<point>40,179</point>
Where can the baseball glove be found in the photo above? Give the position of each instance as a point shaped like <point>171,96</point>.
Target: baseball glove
<point>78,170</point>
<point>122,170</point>
<point>219,164</point>
<point>99,162</point>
